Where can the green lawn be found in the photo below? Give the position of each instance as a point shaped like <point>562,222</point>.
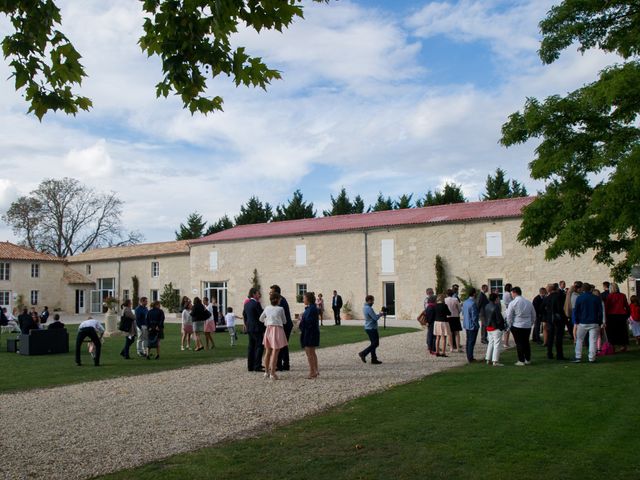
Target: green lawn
<point>548,420</point>
<point>25,372</point>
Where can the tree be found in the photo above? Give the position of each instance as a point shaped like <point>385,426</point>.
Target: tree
<point>498,186</point>
<point>192,38</point>
<point>224,223</point>
<point>451,193</point>
<point>170,298</point>
<point>441,276</point>
<point>342,205</point>
<point>295,210</point>
<point>64,217</point>
<point>404,201</point>
<point>254,212</point>
<point>135,284</point>
<point>193,229</point>
<point>382,204</point>
<point>589,153</point>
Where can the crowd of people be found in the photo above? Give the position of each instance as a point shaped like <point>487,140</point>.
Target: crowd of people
<point>28,320</point>
<point>599,318</point>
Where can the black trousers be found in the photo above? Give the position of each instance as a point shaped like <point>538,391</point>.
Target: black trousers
<point>536,330</point>
<point>255,351</point>
<point>555,335</point>
<point>283,354</point>
<point>336,315</point>
<point>374,338</point>
<point>523,347</point>
<point>91,333</point>
<point>128,341</point>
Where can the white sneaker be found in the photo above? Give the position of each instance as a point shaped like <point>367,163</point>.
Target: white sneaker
<point>496,364</point>
<point>527,362</point>
<point>520,364</point>
<point>182,348</point>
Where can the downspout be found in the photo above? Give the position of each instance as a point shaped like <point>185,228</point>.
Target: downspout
<point>117,292</point>
<point>366,263</point>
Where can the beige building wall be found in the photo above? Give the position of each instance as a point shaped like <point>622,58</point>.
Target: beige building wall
<point>172,268</point>
<point>48,284</point>
<point>337,261</point>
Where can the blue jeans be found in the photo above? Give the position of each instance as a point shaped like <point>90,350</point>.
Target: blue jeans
<point>374,338</point>
<point>472,336</point>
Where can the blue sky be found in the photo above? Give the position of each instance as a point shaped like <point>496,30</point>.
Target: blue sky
<point>377,96</point>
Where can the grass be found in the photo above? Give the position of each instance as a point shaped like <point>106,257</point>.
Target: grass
<point>548,420</point>
<point>27,372</point>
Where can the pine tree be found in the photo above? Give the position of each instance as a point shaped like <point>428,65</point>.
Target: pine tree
<point>295,210</point>
<point>193,229</point>
<point>340,205</point>
<point>451,193</point>
<point>254,212</point>
<point>358,205</point>
<point>497,186</point>
<point>224,223</point>
<point>404,201</point>
<point>382,204</point>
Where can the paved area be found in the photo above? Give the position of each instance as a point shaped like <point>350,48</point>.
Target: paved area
<point>80,431</point>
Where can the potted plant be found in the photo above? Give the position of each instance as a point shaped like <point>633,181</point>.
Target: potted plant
<point>347,311</point>
<point>299,298</point>
<point>110,303</point>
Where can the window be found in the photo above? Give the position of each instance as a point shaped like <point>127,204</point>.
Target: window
<point>301,255</point>
<point>495,285</point>
<point>494,244</point>
<point>125,295</point>
<point>301,289</point>
<point>387,256</point>
<point>5,268</point>
<point>88,267</point>
<point>155,269</point>
<point>213,261</point>
<point>153,295</point>
<point>35,270</point>
<point>34,297</point>
<point>5,298</point>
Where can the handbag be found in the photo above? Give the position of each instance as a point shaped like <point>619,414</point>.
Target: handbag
<point>422,318</point>
<point>124,325</point>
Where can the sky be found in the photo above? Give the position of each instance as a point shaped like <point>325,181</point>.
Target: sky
<point>391,96</point>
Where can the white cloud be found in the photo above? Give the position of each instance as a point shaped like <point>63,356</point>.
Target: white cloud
<point>8,193</point>
<point>91,162</point>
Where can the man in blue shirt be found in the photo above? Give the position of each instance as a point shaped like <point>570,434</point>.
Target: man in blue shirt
<point>587,318</point>
<point>141,327</point>
<point>371,327</point>
<point>471,322</point>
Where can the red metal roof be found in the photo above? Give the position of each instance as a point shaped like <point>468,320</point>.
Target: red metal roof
<point>11,251</point>
<point>457,212</point>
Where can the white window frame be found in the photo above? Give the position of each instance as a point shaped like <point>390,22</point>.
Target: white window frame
<point>387,256</point>
<point>154,295</point>
<point>493,242</point>
<point>493,283</point>
<point>301,255</point>
<point>155,269</point>
<point>5,295</point>
<point>125,295</point>
<point>35,270</point>
<point>5,271</point>
<point>34,297</point>
<point>301,289</point>
<point>213,261</point>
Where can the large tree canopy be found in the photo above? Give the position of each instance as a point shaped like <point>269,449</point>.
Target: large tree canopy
<point>191,37</point>
<point>64,217</point>
<point>589,154</point>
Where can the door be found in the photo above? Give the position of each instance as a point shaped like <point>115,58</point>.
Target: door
<point>5,300</point>
<point>80,308</point>
<point>390,298</point>
<point>217,291</point>
<point>96,301</point>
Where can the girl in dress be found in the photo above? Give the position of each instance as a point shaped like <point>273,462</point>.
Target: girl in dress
<point>310,332</point>
<point>274,338</point>
<point>187,324</point>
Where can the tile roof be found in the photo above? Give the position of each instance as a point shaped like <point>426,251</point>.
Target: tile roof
<point>72,277</point>
<point>457,212</point>
<point>11,251</point>
<point>132,251</point>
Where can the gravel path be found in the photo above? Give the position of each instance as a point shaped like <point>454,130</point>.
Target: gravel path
<point>77,431</point>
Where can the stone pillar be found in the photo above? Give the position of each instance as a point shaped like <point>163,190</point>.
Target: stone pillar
<point>111,323</point>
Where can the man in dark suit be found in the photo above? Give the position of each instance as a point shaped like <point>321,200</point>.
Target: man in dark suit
<point>255,329</point>
<point>336,305</point>
<point>283,355</point>
<point>56,323</point>
<point>25,321</point>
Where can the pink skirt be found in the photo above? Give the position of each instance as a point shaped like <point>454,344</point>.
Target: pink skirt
<point>210,326</point>
<point>187,328</point>
<point>274,337</point>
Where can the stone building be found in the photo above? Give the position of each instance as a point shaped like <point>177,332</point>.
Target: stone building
<point>30,278</point>
<point>388,254</point>
<point>110,272</point>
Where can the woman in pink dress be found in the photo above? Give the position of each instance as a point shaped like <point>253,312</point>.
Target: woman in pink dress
<point>274,338</point>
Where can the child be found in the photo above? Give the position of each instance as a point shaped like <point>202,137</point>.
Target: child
<point>634,319</point>
<point>230,320</point>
